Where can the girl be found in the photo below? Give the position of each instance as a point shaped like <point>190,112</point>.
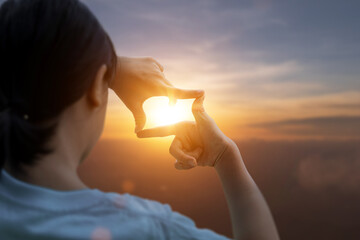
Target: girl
<point>57,64</point>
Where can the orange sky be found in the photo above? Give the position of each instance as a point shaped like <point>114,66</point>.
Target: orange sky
<point>270,69</point>
<point>237,119</point>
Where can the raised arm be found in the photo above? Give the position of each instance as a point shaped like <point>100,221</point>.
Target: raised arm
<point>203,143</point>
<point>250,215</point>
<point>138,79</point>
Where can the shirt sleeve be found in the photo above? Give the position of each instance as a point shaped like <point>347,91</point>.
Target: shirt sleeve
<point>169,224</point>
<point>182,227</point>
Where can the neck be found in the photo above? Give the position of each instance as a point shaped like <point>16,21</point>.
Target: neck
<point>45,174</point>
<point>57,170</point>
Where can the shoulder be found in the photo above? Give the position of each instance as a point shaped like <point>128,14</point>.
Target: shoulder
<point>138,206</point>
<point>162,219</point>
<point>129,217</point>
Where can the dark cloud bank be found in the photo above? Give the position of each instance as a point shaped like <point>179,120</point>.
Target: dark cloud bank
<point>312,186</point>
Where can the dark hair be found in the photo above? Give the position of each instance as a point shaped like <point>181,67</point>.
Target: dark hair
<point>50,51</point>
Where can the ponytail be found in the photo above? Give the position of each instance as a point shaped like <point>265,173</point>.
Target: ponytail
<point>20,140</point>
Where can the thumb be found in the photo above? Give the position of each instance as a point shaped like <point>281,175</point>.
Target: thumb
<point>140,118</point>
<point>198,110</point>
<point>178,93</point>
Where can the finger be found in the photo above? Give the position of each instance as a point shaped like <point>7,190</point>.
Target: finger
<point>159,65</point>
<point>199,111</point>
<point>167,82</point>
<point>140,118</point>
<point>162,131</point>
<point>183,93</point>
<point>196,153</point>
<point>180,166</point>
<point>185,141</point>
<point>177,152</point>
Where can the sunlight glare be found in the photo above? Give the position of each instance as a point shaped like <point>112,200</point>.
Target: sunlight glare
<point>159,112</point>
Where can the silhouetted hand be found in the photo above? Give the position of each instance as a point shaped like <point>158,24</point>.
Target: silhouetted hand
<point>195,143</point>
<point>138,79</point>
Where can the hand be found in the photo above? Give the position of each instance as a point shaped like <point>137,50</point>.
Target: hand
<point>138,79</point>
<point>201,143</point>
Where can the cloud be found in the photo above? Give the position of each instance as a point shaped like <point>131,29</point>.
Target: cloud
<point>257,60</point>
<point>334,126</point>
<point>319,172</point>
<point>334,105</point>
<point>256,49</point>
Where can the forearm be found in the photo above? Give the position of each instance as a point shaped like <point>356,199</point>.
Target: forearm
<point>250,215</point>
<point>143,71</point>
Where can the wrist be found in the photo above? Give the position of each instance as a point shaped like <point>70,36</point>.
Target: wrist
<point>120,72</point>
<point>230,159</point>
<point>230,149</point>
<point>114,81</point>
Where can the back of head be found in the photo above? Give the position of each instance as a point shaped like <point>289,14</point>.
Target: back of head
<point>50,51</point>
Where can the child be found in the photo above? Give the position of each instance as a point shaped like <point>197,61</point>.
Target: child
<point>57,64</point>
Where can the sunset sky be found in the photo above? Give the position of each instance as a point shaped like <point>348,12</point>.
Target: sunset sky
<point>270,69</point>
<point>282,79</point>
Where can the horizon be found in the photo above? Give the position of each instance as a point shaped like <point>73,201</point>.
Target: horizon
<point>281,79</point>
<point>270,69</point>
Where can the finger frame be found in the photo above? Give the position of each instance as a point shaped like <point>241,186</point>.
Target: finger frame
<point>162,131</point>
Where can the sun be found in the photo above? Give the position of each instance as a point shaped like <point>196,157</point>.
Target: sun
<point>167,115</point>
<point>159,112</point>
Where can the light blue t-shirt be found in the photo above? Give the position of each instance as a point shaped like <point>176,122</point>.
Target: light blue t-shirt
<point>32,212</point>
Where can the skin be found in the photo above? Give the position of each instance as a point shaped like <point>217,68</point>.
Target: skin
<point>136,80</point>
<point>72,141</point>
<point>203,144</point>
<point>150,81</point>
<point>199,143</point>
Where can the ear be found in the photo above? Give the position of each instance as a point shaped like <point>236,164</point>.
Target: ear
<point>98,88</point>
